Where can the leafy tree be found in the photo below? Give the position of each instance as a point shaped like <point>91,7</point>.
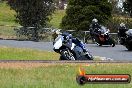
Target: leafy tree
<point>116,9</point>
<point>128,6</point>
<point>32,13</point>
<point>80,13</point>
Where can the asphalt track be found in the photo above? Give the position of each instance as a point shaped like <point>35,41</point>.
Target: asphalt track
<point>117,53</point>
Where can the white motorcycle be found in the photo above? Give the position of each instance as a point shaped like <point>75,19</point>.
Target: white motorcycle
<point>69,50</point>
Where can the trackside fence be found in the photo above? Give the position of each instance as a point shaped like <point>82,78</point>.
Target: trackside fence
<point>45,34</point>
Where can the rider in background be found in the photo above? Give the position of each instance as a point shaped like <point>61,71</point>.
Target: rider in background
<point>121,32</point>
<point>94,27</point>
<point>94,30</point>
<point>122,29</point>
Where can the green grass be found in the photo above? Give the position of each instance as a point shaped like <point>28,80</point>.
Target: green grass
<point>6,32</point>
<point>7,18</point>
<point>7,53</point>
<point>7,15</point>
<point>59,76</point>
<point>57,17</point>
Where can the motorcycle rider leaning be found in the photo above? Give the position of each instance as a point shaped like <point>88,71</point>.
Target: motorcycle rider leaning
<point>122,29</point>
<point>121,32</point>
<point>68,38</point>
<point>94,27</point>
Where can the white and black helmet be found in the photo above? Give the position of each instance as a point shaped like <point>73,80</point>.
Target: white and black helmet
<point>57,31</point>
<point>94,20</point>
<point>122,25</point>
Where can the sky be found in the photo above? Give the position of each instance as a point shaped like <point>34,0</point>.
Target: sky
<point>120,3</point>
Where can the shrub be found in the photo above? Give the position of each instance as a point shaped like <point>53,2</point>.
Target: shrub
<point>80,13</point>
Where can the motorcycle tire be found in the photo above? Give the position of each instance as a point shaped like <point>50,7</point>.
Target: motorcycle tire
<point>66,55</point>
<point>112,42</point>
<point>98,44</point>
<point>129,48</point>
<point>89,56</point>
<point>86,57</point>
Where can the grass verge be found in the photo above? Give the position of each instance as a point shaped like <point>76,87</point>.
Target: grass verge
<point>7,53</point>
<point>57,75</point>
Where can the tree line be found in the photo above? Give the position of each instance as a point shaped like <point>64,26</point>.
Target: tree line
<point>79,13</point>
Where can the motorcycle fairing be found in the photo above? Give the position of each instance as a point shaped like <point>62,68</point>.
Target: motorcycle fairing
<point>58,42</point>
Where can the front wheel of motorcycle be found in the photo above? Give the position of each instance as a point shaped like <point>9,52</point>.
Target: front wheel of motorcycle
<point>129,48</point>
<point>67,55</point>
<point>89,56</point>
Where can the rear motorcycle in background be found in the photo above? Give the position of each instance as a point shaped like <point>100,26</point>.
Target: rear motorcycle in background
<point>70,51</point>
<point>102,37</point>
<point>127,40</point>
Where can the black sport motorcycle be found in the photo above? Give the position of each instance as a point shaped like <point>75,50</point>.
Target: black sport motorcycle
<point>69,50</point>
<point>101,37</point>
<point>127,40</point>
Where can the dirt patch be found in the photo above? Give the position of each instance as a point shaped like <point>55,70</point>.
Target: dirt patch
<point>24,65</point>
<point>34,65</point>
<point>8,37</point>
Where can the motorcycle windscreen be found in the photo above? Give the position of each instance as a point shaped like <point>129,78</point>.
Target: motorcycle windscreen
<point>104,30</point>
<point>129,32</point>
<point>58,42</point>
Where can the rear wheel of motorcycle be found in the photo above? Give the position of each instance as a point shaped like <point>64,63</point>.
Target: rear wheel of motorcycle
<point>129,48</point>
<point>98,44</point>
<point>66,55</point>
<point>112,42</point>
